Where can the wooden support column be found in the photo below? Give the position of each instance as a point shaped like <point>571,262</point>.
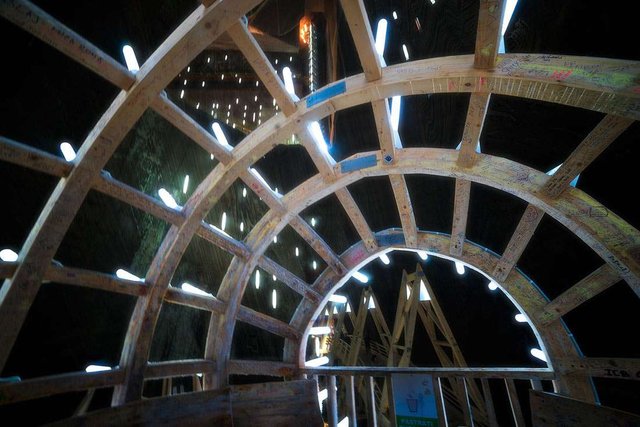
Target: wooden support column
<point>516,410</point>
<point>519,241</point>
<point>360,224</point>
<point>488,33</point>
<point>488,400</point>
<point>358,21</point>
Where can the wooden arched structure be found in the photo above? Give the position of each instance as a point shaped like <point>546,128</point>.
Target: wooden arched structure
<point>604,85</point>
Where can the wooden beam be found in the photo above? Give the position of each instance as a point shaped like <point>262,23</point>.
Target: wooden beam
<point>488,33</point>
<point>519,241</point>
<point>476,113</point>
<point>596,282</point>
<point>379,371</point>
<point>317,243</point>
<point>388,137</point>
<point>460,212</point>
<point>262,66</point>
<point>40,24</point>
<point>603,367</point>
<point>199,302</point>
<point>267,323</point>
<point>188,126</point>
<point>358,21</point>
<point>516,409</point>
<point>57,384</point>
<point>7,269</point>
<point>356,217</point>
<point>178,368</point>
<point>136,198</point>
<point>488,400</point>
<point>591,147</point>
<point>261,367</point>
<point>405,209</point>
<point>223,240</point>
<point>32,158</point>
<point>94,280</point>
<point>288,278</point>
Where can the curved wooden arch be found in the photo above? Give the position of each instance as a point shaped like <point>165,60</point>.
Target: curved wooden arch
<point>554,338</point>
<point>607,86</point>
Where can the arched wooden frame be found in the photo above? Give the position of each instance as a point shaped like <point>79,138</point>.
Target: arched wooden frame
<point>532,76</point>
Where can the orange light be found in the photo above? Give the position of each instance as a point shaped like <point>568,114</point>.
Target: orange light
<point>305,31</point>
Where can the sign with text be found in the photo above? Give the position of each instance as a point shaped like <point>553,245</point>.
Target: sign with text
<point>414,400</point>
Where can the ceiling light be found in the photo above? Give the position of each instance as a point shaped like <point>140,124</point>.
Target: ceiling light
<point>67,151</point>
<point>340,299</point>
<point>493,285</point>
<point>97,368</point>
<point>257,279</point>
<point>360,277</point>
<point>244,192</point>
<point>223,221</point>
<point>318,137</point>
<point>317,362</point>
<point>396,102</point>
<point>130,58</point>
<point>288,80</point>
<point>7,255</point>
<point>168,199</point>
<point>274,299</point>
<point>381,36</point>
<point>385,259</point>
<point>539,354</point>
<point>395,15</point>
<point>185,184</point>
<point>459,267</point>
<point>220,136</point>
<point>241,226</point>
<point>124,274</point>
<point>520,318</point>
<point>314,265</point>
<point>187,287</point>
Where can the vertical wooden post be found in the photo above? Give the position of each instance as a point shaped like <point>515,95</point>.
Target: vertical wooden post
<point>372,419</point>
<point>516,411</point>
<point>333,402</point>
<point>392,405</point>
<point>351,402</point>
<point>468,413</point>
<point>442,412</point>
<point>488,401</point>
<point>536,385</point>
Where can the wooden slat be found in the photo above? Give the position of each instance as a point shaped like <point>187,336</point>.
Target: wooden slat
<point>34,20</point>
<point>604,367</point>
<point>267,323</point>
<point>591,147</point>
<point>183,122</point>
<point>57,384</point>
<point>460,212</point>
<point>601,279</point>
<point>519,241</point>
<point>261,367</point>
<point>550,410</point>
<point>223,241</point>
<point>178,368</point>
<point>200,302</point>
<point>288,278</point>
<point>7,269</point>
<point>516,409</point>
<point>358,21</point>
<point>32,158</point>
<point>94,280</point>
<point>243,38</point>
<point>388,137</point>
<point>488,400</point>
<point>476,113</point>
<point>488,33</point>
<point>136,198</point>
<point>356,217</point>
<point>318,244</point>
<point>320,158</point>
<point>405,209</point>
<point>513,373</point>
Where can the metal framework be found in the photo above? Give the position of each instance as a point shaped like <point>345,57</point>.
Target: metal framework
<point>531,76</point>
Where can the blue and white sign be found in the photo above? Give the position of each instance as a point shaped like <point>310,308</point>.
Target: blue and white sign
<point>414,400</point>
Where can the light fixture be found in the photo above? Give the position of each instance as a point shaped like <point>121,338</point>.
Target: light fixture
<point>316,342</point>
<point>385,259</point>
<point>320,330</point>
<point>317,362</point>
<point>168,199</point>
<point>288,81</point>
<point>185,184</point>
<point>244,192</point>
<point>318,137</point>
<point>297,251</point>
<point>223,221</point>
<point>539,354</point>
<point>493,285</point>
<point>396,102</point>
<point>273,277</point>
<point>220,136</point>
<point>241,226</point>
<point>124,274</point>
<point>97,368</point>
<point>275,239</point>
<point>405,51</point>
<point>395,15</point>
<point>257,279</point>
<point>67,151</point>
<point>459,267</point>
<point>381,36</point>
<point>274,299</point>
<point>423,255</point>
<point>187,287</point>
<point>313,221</point>
<point>314,265</point>
<point>182,94</point>
<point>520,318</point>
<point>340,299</point>
<point>130,58</point>
<point>7,255</point>
<point>360,277</point>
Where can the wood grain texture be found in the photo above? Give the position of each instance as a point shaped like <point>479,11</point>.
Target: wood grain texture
<point>358,21</point>
<point>488,33</point>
